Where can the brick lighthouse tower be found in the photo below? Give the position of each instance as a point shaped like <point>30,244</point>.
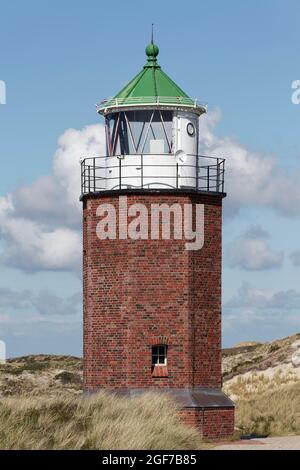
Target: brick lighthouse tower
<point>152,301</point>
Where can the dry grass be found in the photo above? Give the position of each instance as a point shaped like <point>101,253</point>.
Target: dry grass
<point>41,375</point>
<point>41,405</point>
<point>265,387</point>
<point>260,357</point>
<point>99,422</point>
<point>244,387</point>
<point>275,412</point>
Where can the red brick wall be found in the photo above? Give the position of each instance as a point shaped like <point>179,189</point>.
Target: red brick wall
<point>145,292</point>
<point>212,423</point>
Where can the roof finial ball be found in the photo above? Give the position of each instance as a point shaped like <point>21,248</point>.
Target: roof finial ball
<point>152,50</point>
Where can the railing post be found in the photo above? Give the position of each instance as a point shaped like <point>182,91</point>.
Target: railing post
<point>120,173</point>
<point>81,176</point>
<point>94,164</point>
<point>218,174</point>
<point>142,171</point>
<point>208,176</point>
<point>177,175</point>
<point>89,177</point>
<point>197,172</point>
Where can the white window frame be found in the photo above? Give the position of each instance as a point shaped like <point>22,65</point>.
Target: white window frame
<point>158,353</point>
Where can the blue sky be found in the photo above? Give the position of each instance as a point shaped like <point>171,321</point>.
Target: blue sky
<point>60,58</point>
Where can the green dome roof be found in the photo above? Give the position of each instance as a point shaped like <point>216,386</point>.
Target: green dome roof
<point>150,87</point>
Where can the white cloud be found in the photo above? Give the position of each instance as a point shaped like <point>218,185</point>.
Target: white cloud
<point>252,252</point>
<point>5,319</point>
<point>264,299</point>
<point>45,201</point>
<point>40,224</point>
<point>42,321</point>
<point>295,258</point>
<point>13,299</point>
<point>74,145</point>
<point>256,232</point>
<point>44,303</point>
<point>261,314</point>
<point>31,246</point>
<point>251,179</point>
<point>48,303</point>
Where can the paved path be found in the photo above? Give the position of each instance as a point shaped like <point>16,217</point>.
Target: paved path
<point>268,443</point>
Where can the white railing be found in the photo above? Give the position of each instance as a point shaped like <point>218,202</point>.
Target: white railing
<point>150,100</point>
<point>148,171</point>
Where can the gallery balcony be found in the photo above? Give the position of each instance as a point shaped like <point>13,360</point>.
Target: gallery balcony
<point>186,172</point>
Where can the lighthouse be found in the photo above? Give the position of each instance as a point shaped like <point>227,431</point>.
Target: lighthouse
<point>152,292</point>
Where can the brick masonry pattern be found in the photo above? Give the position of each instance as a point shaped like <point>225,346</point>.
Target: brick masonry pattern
<point>138,293</point>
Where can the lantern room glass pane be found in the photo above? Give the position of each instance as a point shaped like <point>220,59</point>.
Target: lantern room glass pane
<point>135,132</point>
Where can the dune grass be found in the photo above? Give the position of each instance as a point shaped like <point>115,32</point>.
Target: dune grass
<point>257,383</point>
<point>271,413</point>
<point>101,421</point>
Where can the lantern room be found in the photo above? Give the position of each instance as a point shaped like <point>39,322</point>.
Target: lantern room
<point>152,138</point>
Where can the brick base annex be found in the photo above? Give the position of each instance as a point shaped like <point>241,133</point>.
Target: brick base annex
<point>212,423</point>
<point>142,293</point>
